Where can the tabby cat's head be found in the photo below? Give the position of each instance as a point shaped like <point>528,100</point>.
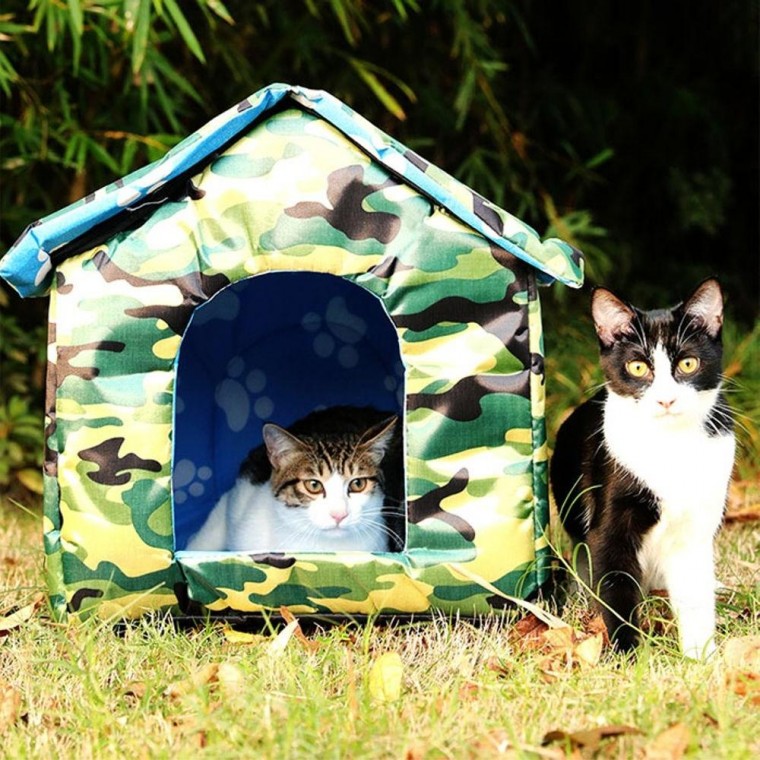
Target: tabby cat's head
<point>666,361</point>
<point>336,476</point>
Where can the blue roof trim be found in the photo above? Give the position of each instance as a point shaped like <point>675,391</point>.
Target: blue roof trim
<point>28,266</point>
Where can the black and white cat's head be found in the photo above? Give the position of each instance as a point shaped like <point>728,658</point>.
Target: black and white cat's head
<point>665,362</point>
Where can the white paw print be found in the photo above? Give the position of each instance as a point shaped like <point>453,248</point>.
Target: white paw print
<point>336,333</point>
<point>190,480</point>
<point>395,383</point>
<point>239,394</point>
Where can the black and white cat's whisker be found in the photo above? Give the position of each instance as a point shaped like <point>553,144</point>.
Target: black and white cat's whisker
<point>640,334</point>
<point>688,322</point>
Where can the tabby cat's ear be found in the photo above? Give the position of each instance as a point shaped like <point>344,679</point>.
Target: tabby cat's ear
<point>280,444</point>
<point>612,317</point>
<point>377,439</point>
<point>706,304</point>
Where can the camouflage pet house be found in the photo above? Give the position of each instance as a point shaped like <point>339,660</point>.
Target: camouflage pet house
<point>289,256</point>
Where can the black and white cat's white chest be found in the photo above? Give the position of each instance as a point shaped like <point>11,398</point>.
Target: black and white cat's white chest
<point>681,471</point>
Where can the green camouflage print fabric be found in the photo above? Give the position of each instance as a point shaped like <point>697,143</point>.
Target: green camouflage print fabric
<point>294,194</point>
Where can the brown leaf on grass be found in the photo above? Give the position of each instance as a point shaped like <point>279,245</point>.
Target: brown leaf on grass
<point>749,513</point>
<point>566,649</point>
<point>741,660</point>
<point>529,627</point>
<point>10,704</point>
<point>231,679</point>
<point>588,652</point>
<point>14,618</point>
<point>497,743</point>
<point>743,503</point>
<point>289,617</point>
<point>136,690</point>
<point>742,652</point>
<point>205,675</point>
<point>589,739</point>
<point>468,691</point>
<point>502,668</point>
<point>671,744</point>
<point>224,675</point>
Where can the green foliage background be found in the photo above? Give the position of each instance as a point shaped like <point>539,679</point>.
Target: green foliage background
<point>629,129</point>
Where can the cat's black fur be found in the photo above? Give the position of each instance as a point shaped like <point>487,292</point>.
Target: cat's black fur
<point>602,503</point>
<point>586,480</point>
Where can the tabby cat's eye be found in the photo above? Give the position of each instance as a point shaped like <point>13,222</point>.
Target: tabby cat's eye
<point>357,485</point>
<point>314,487</point>
<point>688,365</point>
<point>637,368</point>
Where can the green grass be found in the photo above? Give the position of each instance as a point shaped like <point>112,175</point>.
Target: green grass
<point>468,688</point>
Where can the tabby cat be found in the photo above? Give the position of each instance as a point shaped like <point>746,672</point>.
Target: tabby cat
<point>330,482</point>
<point>640,471</point>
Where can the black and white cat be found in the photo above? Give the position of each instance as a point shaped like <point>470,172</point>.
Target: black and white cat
<point>318,486</point>
<point>640,472</point>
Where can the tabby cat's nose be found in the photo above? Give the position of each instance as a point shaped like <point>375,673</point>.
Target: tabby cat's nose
<point>339,517</point>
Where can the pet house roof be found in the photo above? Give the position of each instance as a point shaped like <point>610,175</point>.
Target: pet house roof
<point>29,264</point>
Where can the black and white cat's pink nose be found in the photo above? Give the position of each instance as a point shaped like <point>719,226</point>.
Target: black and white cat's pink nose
<point>666,405</point>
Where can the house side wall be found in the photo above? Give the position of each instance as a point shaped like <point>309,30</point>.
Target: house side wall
<point>294,195</point>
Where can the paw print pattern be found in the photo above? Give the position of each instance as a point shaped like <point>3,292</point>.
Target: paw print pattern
<point>240,393</point>
<point>336,333</point>
<point>189,480</point>
<point>395,383</point>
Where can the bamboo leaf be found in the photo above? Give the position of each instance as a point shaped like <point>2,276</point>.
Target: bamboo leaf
<point>217,7</point>
<point>377,88</point>
<point>339,9</point>
<point>184,29</point>
<point>141,21</point>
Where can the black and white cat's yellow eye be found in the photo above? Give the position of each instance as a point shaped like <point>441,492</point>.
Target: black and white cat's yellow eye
<point>313,486</point>
<point>357,485</point>
<point>637,368</point>
<point>688,365</point>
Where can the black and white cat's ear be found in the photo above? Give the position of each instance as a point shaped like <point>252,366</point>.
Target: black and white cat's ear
<point>280,444</point>
<point>613,318</point>
<point>706,305</point>
<point>377,439</point>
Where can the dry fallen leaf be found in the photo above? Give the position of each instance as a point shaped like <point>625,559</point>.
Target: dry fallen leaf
<point>566,649</point>
<point>588,652</point>
<point>233,636</point>
<point>201,677</point>
<point>385,677</point>
<point>671,744</point>
<point>230,679</point>
<point>20,616</point>
<point>529,627</point>
<point>282,639</point>
<point>742,652</point>
<point>741,659</point>
<point>135,689</point>
<point>10,703</point>
<point>589,739</point>
<point>289,617</point>
<point>497,743</point>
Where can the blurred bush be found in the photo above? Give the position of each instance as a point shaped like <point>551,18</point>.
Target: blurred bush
<point>628,129</point>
